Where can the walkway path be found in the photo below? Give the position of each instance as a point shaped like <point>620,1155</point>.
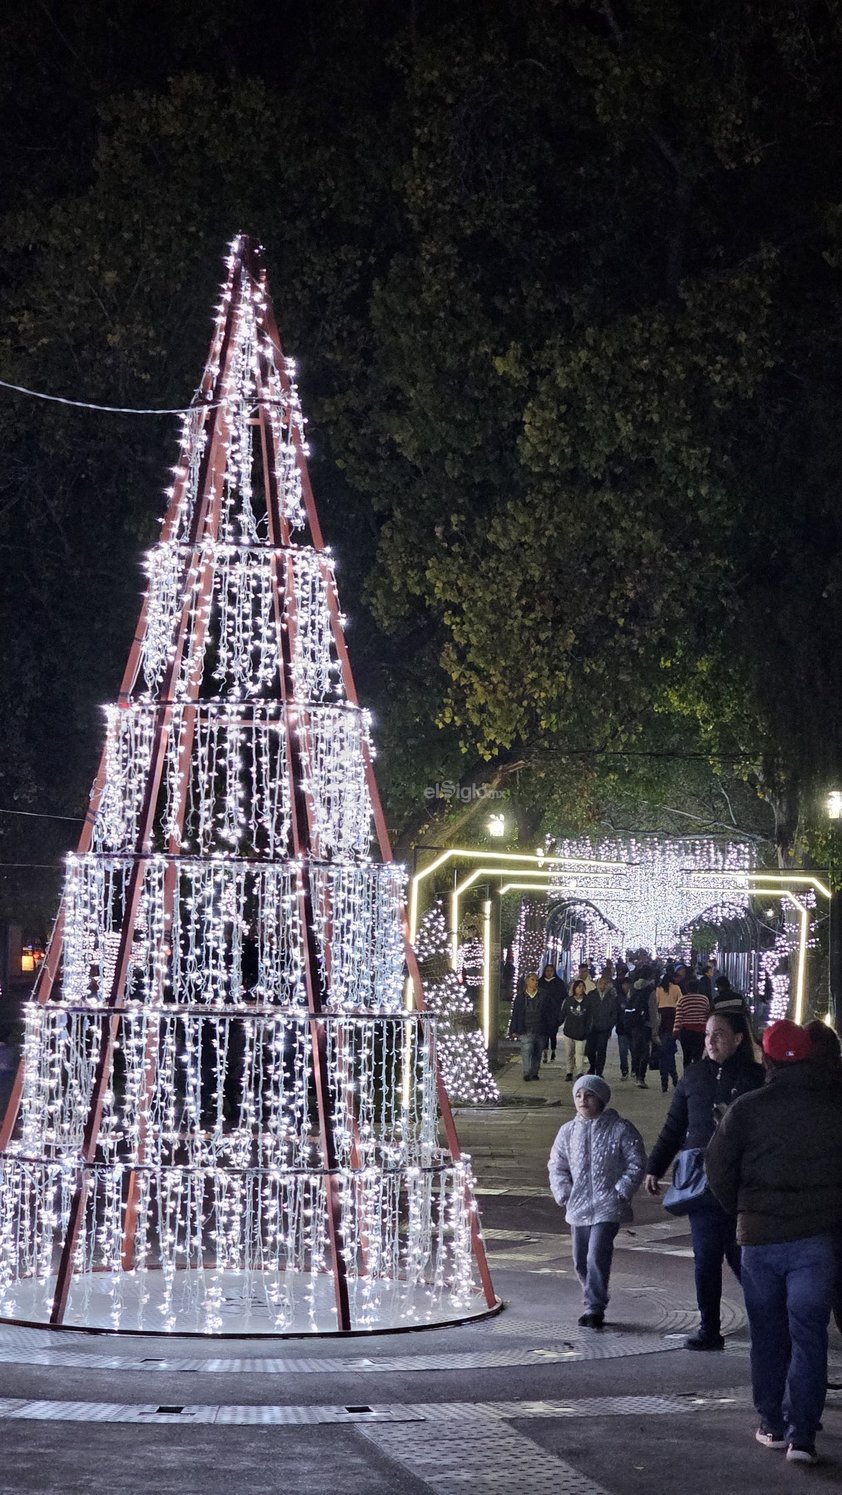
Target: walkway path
<point>525,1401</point>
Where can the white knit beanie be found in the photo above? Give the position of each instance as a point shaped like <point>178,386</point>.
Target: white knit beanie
<point>596,1084</point>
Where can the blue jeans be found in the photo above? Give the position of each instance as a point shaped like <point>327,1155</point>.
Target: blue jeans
<point>624,1047</point>
<point>531,1045</point>
<point>593,1251</point>
<point>714,1238</point>
<point>788,1289</point>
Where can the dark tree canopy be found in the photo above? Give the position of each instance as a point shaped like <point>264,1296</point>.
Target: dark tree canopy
<point>565,282</point>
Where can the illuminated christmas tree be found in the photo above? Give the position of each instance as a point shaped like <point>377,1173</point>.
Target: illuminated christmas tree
<point>470,959</point>
<point>225,1121</point>
<point>462,1055</point>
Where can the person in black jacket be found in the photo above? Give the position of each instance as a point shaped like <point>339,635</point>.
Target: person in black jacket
<point>604,1010</point>
<point>576,1025</point>
<point>640,1021</point>
<point>776,1161</point>
<point>728,1070</point>
<point>554,990</point>
<point>623,986</point>
<point>530,1023</point>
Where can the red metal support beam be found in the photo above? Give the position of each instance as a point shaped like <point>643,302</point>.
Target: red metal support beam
<point>48,974</point>
<point>380,826</point>
<point>205,516</point>
<point>301,819</point>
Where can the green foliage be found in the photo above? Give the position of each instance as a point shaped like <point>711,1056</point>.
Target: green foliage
<point>565,282</point>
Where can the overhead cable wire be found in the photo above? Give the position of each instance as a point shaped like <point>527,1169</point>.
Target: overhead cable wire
<point>37,394</point>
<point>197,404</point>
<point>43,815</point>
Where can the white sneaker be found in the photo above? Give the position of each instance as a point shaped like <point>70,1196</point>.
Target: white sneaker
<point>768,1438</point>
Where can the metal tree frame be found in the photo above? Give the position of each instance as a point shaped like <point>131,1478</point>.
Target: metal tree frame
<point>246,269</point>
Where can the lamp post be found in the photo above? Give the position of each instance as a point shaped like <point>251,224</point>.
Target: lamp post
<point>833,810</point>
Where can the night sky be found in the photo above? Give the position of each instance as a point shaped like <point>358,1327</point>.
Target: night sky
<point>563,280</point>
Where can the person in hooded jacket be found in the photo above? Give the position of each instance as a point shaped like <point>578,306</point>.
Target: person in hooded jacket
<point>727,1070</point>
<point>596,1166</point>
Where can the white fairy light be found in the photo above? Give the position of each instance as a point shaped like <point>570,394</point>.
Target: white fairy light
<point>461,1050</point>
<point>207,1201</point>
<point>530,940</point>
<point>648,893</point>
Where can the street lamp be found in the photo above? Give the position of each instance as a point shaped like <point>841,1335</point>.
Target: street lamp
<point>497,825</point>
<point>833,809</point>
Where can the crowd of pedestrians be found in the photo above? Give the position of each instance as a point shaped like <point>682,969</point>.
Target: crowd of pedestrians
<point>757,1155</point>
<point>653,1010</point>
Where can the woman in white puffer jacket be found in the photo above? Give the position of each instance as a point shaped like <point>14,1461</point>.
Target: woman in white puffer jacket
<point>596,1165</point>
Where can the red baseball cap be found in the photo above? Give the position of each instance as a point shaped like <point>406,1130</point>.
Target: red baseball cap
<point>786,1042</point>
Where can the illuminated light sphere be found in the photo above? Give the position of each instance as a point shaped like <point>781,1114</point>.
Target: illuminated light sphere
<point>227,1121</point>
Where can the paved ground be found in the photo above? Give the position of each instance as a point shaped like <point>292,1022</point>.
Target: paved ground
<point>524,1401</point>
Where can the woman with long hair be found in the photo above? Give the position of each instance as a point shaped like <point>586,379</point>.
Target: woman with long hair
<point>575,1025</point>
<point>667,996</point>
<point>728,1069</point>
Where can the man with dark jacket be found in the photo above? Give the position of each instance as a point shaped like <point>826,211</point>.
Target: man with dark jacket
<point>604,1008</point>
<point>530,1023</point>
<point>777,1160</point>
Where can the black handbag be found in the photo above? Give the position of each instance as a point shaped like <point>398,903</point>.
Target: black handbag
<point>689,1182</point>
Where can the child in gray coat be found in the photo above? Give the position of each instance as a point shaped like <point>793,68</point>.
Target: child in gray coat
<point>596,1165</point>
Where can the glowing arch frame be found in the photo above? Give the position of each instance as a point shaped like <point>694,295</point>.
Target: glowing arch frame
<point>542,873</point>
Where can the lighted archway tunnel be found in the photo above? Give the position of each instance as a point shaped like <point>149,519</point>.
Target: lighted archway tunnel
<point>638,893</point>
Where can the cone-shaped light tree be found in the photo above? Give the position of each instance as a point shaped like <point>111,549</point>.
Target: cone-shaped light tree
<point>461,1050</point>
<point>225,1120</point>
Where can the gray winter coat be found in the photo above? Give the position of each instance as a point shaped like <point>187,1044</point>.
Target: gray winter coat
<point>595,1168</point>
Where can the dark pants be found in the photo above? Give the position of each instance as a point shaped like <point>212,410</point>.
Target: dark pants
<point>531,1045</point>
<point>596,1048</point>
<point>714,1240</point>
<point>666,1060</point>
<point>593,1251</point>
<point>624,1047</point>
<point>692,1046</point>
<point>788,1289</point>
<point>550,1042</point>
<point>641,1041</point>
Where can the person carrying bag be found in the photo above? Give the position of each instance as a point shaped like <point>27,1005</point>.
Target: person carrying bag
<point>728,1069</point>
<point>689,1182</point>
